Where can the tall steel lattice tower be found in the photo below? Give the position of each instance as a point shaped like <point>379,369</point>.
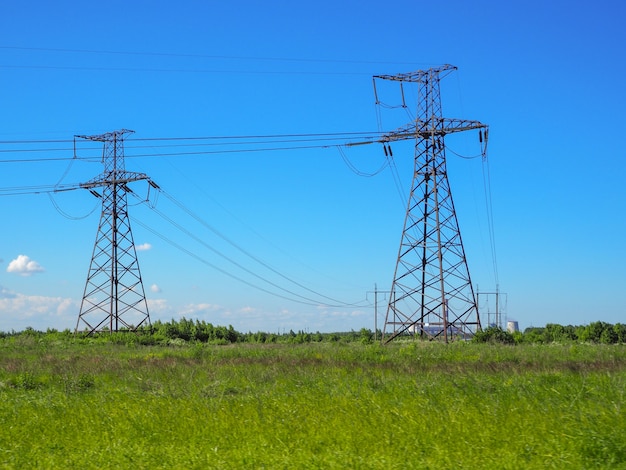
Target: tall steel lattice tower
<point>432,294</point>
<point>114,296</point>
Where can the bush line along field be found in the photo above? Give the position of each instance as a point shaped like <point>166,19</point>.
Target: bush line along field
<point>100,402</point>
<point>175,332</point>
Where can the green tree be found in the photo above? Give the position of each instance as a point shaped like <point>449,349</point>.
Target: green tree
<point>366,336</point>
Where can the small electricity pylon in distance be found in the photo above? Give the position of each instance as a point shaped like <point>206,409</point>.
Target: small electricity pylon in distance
<point>432,294</point>
<point>114,297</point>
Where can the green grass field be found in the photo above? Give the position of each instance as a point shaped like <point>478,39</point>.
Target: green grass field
<point>90,404</point>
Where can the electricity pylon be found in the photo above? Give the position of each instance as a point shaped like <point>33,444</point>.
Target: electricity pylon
<point>114,297</point>
<point>432,294</point>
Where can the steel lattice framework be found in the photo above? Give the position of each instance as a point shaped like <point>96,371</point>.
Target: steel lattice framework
<point>432,294</point>
<point>114,297</point>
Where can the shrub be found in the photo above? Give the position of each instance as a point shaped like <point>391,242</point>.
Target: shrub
<point>494,334</point>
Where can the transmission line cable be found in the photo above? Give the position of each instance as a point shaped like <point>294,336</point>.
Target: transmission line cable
<point>289,137</point>
<point>489,208</point>
<point>41,189</point>
<point>354,169</point>
<point>222,255</point>
<point>391,162</point>
<point>205,56</point>
<point>245,224</point>
<point>246,252</point>
<point>100,68</point>
<point>245,143</point>
<point>64,213</point>
<point>300,298</point>
<point>213,266</point>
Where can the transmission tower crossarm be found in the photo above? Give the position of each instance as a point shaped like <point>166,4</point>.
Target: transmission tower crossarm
<point>108,136</point>
<point>419,75</point>
<point>117,177</point>
<point>434,127</point>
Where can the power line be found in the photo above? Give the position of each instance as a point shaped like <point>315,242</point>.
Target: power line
<point>67,215</point>
<point>489,208</point>
<point>355,170</point>
<point>251,256</point>
<point>212,137</point>
<point>38,189</point>
<point>50,159</point>
<point>310,301</point>
<point>166,70</point>
<point>205,56</point>
<point>242,142</point>
<point>275,246</point>
<point>174,154</point>
<point>300,299</point>
<point>213,266</point>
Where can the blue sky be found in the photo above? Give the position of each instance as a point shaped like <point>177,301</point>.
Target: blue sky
<point>547,77</point>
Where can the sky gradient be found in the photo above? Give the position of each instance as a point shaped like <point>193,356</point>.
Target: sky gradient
<point>546,77</point>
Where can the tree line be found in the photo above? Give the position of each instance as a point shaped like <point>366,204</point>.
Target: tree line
<point>596,332</point>
<point>186,330</point>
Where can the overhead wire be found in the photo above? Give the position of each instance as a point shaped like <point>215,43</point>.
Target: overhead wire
<point>388,154</point>
<point>58,184</point>
<point>159,191</point>
<point>37,189</point>
<point>296,297</point>
<point>290,137</point>
<point>275,246</point>
<point>85,68</point>
<point>213,266</point>
<point>208,226</point>
<point>67,215</point>
<point>242,143</point>
<point>464,157</point>
<point>355,170</point>
<point>255,136</point>
<point>205,56</point>
<point>490,223</point>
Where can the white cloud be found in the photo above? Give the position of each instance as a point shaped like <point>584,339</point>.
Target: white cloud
<point>345,314</point>
<point>19,311</point>
<point>24,266</point>
<point>143,247</point>
<point>154,288</point>
<point>194,310</point>
<point>160,309</point>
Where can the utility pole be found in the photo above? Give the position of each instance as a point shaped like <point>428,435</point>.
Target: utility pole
<point>433,294</point>
<point>498,312</point>
<point>376,292</point>
<point>375,312</point>
<point>114,297</point>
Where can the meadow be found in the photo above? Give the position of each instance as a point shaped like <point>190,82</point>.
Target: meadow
<point>84,403</point>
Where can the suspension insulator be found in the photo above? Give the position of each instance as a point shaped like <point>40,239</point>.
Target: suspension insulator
<point>390,152</point>
<point>480,135</point>
<point>385,149</point>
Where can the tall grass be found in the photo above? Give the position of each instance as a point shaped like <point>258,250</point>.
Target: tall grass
<point>321,405</point>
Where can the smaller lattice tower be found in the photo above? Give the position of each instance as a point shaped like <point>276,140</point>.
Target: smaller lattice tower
<point>432,294</point>
<point>114,298</point>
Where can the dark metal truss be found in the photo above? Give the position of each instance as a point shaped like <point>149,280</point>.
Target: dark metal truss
<point>432,294</point>
<point>114,298</point>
